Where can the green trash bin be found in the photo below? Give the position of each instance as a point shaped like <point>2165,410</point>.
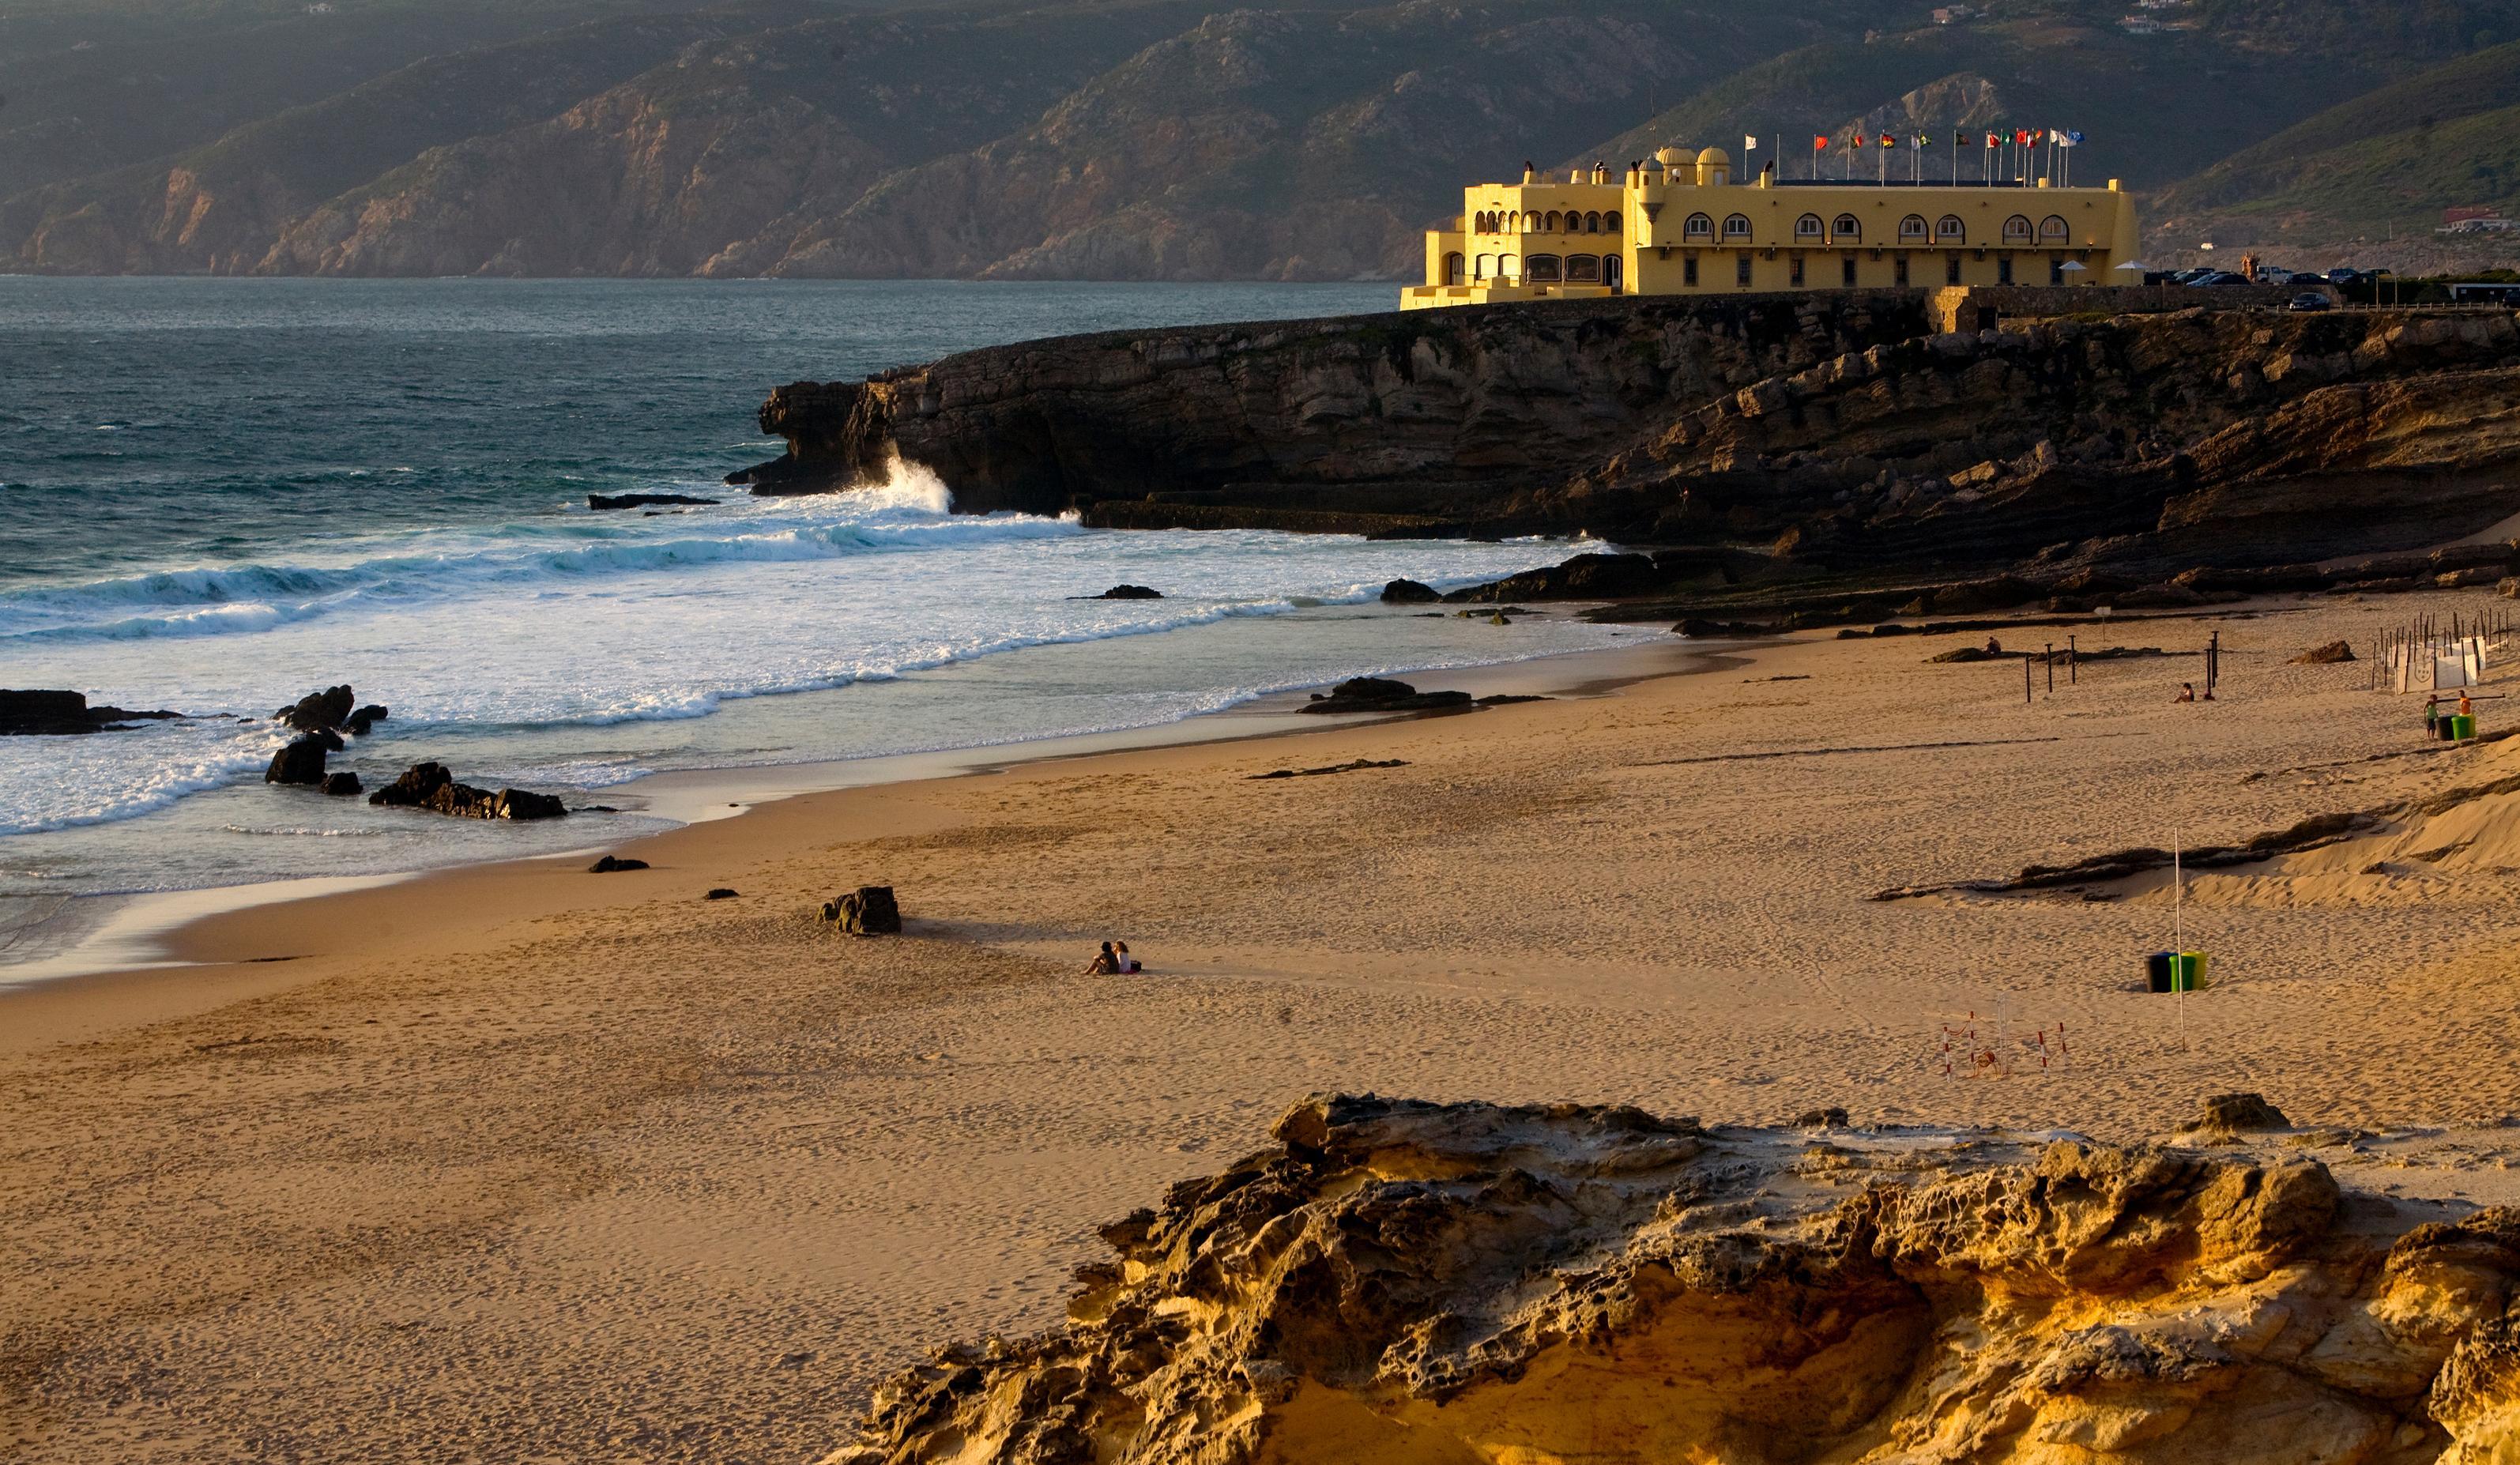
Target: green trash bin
<point>2461,726</point>
<point>2188,972</point>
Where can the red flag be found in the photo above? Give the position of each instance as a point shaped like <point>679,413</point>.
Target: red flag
<point>2021,134</point>
<point>1887,141</point>
<point>1819,144</point>
<point>1859,137</point>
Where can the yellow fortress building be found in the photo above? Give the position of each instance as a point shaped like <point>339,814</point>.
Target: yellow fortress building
<point>1678,224</point>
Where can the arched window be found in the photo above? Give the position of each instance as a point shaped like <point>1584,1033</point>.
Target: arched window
<point>1806,227</point>
<point>2016,230</point>
<point>1698,226</point>
<point>1610,222</point>
<point>1949,229</point>
<point>2052,230</point>
<point>1911,229</point>
<point>1452,269</point>
<point>1591,222</point>
<point>1737,226</point>
<point>1583,269</point>
<point>1845,227</point>
<point>1541,269</point>
<point>1485,267</point>
<point>1509,267</point>
<point>1554,223</point>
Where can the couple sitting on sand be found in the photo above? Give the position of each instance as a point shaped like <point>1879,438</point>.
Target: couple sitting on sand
<point>1112,961</point>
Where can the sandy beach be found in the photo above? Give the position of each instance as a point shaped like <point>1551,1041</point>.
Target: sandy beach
<point>517,1163</point>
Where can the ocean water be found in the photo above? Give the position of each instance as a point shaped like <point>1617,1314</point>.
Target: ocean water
<point>216,496</point>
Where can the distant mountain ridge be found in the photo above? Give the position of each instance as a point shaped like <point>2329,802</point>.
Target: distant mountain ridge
<point>1129,138</point>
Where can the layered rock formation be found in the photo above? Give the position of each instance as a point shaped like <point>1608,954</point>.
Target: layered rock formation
<point>1434,421</point>
<point>1798,444</point>
<point>1398,1281</point>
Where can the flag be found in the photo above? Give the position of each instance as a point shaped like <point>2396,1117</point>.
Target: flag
<point>1993,141</point>
<point>1819,144</point>
<point>1859,137</point>
<point>1925,140</point>
<point>2021,134</point>
<point>1887,141</point>
<point>2071,140</point>
<point>1750,144</point>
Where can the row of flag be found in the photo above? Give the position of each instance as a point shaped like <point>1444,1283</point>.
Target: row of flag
<point>2023,137</point>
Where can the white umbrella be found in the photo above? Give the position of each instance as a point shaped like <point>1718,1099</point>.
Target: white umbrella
<point>2074,266</point>
<point>2137,265</point>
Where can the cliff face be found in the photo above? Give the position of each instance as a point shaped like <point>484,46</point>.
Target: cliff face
<point>1406,1282</point>
<point>1825,434</point>
<point>1433,419</point>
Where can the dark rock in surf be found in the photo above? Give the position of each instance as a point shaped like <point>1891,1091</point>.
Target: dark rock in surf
<point>1382,695</point>
<point>318,710</point>
<point>366,718</point>
<point>868,910</point>
<point>341,785</point>
<point>1409,593</point>
<point>300,762</point>
<point>43,713</point>
<point>1131,593</point>
<point>641,500</point>
<point>428,785</point>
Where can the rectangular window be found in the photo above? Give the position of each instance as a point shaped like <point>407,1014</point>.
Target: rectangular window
<point>2004,270</point>
<point>1741,271</point>
<point>2056,271</point>
<point>1689,270</point>
<point>1850,271</point>
<point>1951,269</point>
<point>1797,278</point>
<point>1902,272</point>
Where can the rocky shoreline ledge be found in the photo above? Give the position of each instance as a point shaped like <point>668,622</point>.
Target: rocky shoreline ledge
<point>1834,456</point>
<point>1396,1281</point>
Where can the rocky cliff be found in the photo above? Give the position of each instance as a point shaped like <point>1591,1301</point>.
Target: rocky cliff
<point>1403,1282</point>
<point>1826,438</point>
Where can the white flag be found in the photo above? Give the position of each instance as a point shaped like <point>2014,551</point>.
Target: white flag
<point>1750,144</point>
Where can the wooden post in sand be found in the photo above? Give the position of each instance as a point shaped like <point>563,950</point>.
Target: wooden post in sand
<point>2052,668</point>
<point>2177,940</point>
<point>2025,681</point>
<point>2072,666</point>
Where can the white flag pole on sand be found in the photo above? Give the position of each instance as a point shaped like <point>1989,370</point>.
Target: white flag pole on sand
<point>2178,938</point>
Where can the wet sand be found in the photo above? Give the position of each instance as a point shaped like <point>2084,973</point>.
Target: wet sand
<point>522,1163</point>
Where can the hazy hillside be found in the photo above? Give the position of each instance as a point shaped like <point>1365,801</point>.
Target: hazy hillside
<point>2389,160</point>
<point>1137,138</point>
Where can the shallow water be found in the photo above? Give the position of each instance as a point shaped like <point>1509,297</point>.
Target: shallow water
<point>223,494</point>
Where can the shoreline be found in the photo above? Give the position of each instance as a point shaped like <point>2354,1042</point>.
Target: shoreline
<point>155,954</point>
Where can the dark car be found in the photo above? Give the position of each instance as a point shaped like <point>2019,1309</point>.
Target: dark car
<point>2312,301</point>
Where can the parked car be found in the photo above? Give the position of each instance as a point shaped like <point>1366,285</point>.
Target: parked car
<point>2311,300</point>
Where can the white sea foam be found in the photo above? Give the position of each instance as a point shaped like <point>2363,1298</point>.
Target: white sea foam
<point>611,620</point>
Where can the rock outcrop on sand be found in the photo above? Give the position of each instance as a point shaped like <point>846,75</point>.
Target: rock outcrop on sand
<point>1382,695</point>
<point>868,910</point>
<point>1410,1283</point>
<point>45,713</point>
<point>428,785</point>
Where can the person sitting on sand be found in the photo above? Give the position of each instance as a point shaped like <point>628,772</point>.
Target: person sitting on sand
<point>1128,963</point>
<point>2186,692</point>
<point>1994,647</point>
<point>1103,964</point>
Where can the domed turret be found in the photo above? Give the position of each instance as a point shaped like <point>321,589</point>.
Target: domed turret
<point>1714,167</point>
<point>1676,165</point>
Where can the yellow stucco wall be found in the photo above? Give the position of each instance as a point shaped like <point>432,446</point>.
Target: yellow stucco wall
<point>1634,236</point>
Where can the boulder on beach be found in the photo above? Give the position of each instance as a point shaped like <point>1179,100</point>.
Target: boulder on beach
<point>1382,695</point>
<point>613,863</point>
<point>1409,593</point>
<point>428,785</point>
<point>868,910</point>
<point>301,761</point>
<point>341,785</point>
<point>2327,655</point>
<point>318,710</point>
<point>1131,593</point>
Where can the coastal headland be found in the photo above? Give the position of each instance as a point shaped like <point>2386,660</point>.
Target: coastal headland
<point>519,1161</point>
<point>1839,455</point>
